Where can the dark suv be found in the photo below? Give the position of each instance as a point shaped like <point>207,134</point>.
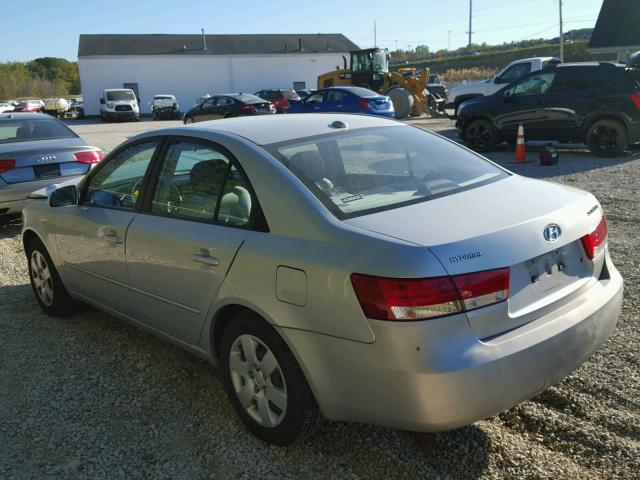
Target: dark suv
<point>593,103</point>
<point>279,97</point>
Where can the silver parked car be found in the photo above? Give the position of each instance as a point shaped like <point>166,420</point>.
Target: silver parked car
<point>37,150</point>
<point>351,265</point>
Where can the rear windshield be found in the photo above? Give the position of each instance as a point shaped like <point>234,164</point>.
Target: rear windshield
<point>248,98</point>
<point>120,95</point>
<point>375,169</point>
<point>163,97</point>
<point>14,130</point>
<point>363,92</point>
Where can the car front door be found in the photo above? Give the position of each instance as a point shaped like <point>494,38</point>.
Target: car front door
<point>524,102</point>
<point>207,111</point>
<point>313,103</point>
<point>181,246</point>
<point>90,236</point>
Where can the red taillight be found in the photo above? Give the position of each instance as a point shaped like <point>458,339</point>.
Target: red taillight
<point>635,98</point>
<point>6,165</point>
<point>421,299</point>
<point>363,103</point>
<point>89,156</point>
<point>596,241</point>
<point>247,108</point>
<point>483,288</point>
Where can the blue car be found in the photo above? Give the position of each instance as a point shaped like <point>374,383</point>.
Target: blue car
<point>345,99</point>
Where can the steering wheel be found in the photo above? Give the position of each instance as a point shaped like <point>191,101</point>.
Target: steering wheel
<point>174,197</point>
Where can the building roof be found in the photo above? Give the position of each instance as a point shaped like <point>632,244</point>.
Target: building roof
<point>166,44</point>
<point>617,27</point>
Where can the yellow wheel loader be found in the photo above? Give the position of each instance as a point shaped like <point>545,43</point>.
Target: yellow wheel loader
<point>370,69</point>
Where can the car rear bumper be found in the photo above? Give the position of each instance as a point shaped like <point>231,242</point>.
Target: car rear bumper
<point>436,375</point>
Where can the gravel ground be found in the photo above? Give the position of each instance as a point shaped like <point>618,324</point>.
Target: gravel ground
<point>91,397</point>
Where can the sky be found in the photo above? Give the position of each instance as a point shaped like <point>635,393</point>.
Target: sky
<point>50,28</point>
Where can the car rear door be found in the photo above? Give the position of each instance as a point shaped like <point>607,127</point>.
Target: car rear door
<point>334,101</point>
<point>179,250</point>
<point>575,93</point>
<point>90,236</point>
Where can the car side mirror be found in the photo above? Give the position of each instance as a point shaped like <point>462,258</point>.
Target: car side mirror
<point>102,101</point>
<point>64,196</point>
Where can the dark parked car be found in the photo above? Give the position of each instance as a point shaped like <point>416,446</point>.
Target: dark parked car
<point>280,97</point>
<point>345,99</point>
<point>229,105</point>
<point>593,103</point>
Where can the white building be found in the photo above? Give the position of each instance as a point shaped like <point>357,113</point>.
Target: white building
<point>189,66</point>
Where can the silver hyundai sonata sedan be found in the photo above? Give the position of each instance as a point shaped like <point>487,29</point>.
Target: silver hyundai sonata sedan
<point>349,266</point>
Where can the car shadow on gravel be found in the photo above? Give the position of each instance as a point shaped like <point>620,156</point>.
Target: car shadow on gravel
<point>10,226</point>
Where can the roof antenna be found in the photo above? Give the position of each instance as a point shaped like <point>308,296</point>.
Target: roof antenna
<point>204,40</point>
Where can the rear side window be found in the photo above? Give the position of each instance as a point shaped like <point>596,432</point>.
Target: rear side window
<point>14,130</point>
<point>374,169</point>
<point>577,79</point>
<point>334,96</point>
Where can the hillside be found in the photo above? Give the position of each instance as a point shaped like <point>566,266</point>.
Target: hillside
<point>573,52</point>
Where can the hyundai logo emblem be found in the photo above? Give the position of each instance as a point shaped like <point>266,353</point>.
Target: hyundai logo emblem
<point>552,232</point>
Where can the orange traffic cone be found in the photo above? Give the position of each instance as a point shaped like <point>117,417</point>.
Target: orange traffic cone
<point>521,153</point>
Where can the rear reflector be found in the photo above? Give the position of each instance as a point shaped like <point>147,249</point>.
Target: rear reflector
<point>596,241</point>
<point>421,299</point>
<point>89,156</point>
<point>6,165</point>
<point>635,98</point>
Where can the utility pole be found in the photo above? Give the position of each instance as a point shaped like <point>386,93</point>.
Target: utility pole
<point>470,17</point>
<point>375,34</point>
<point>449,47</point>
<point>561,34</point>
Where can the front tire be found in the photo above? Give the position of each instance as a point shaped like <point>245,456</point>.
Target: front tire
<point>264,381</point>
<point>188,119</point>
<point>402,100</point>
<point>479,135</point>
<point>607,138</point>
<point>47,286</point>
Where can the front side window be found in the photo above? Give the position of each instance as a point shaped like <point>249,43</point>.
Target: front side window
<point>209,103</point>
<point>119,180</point>
<point>315,98</point>
<point>515,72</point>
<point>373,169</point>
<point>534,85</point>
<point>199,182</point>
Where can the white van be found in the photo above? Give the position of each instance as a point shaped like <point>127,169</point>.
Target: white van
<point>119,104</point>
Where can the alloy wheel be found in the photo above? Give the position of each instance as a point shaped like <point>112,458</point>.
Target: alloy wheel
<point>605,139</point>
<point>258,380</point>
<point>41,277</point>
<point>478,136</point>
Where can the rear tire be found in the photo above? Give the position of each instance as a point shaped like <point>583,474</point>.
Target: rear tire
<point>607,138</point>
<point>50,292</point>
<point>402,100</point>
<point>479,135</point>
<point>264,381</point>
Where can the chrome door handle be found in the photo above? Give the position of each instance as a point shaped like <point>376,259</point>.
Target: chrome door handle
<point>205,258</point>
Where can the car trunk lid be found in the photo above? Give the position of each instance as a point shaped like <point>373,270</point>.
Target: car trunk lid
<point>502,225</point>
